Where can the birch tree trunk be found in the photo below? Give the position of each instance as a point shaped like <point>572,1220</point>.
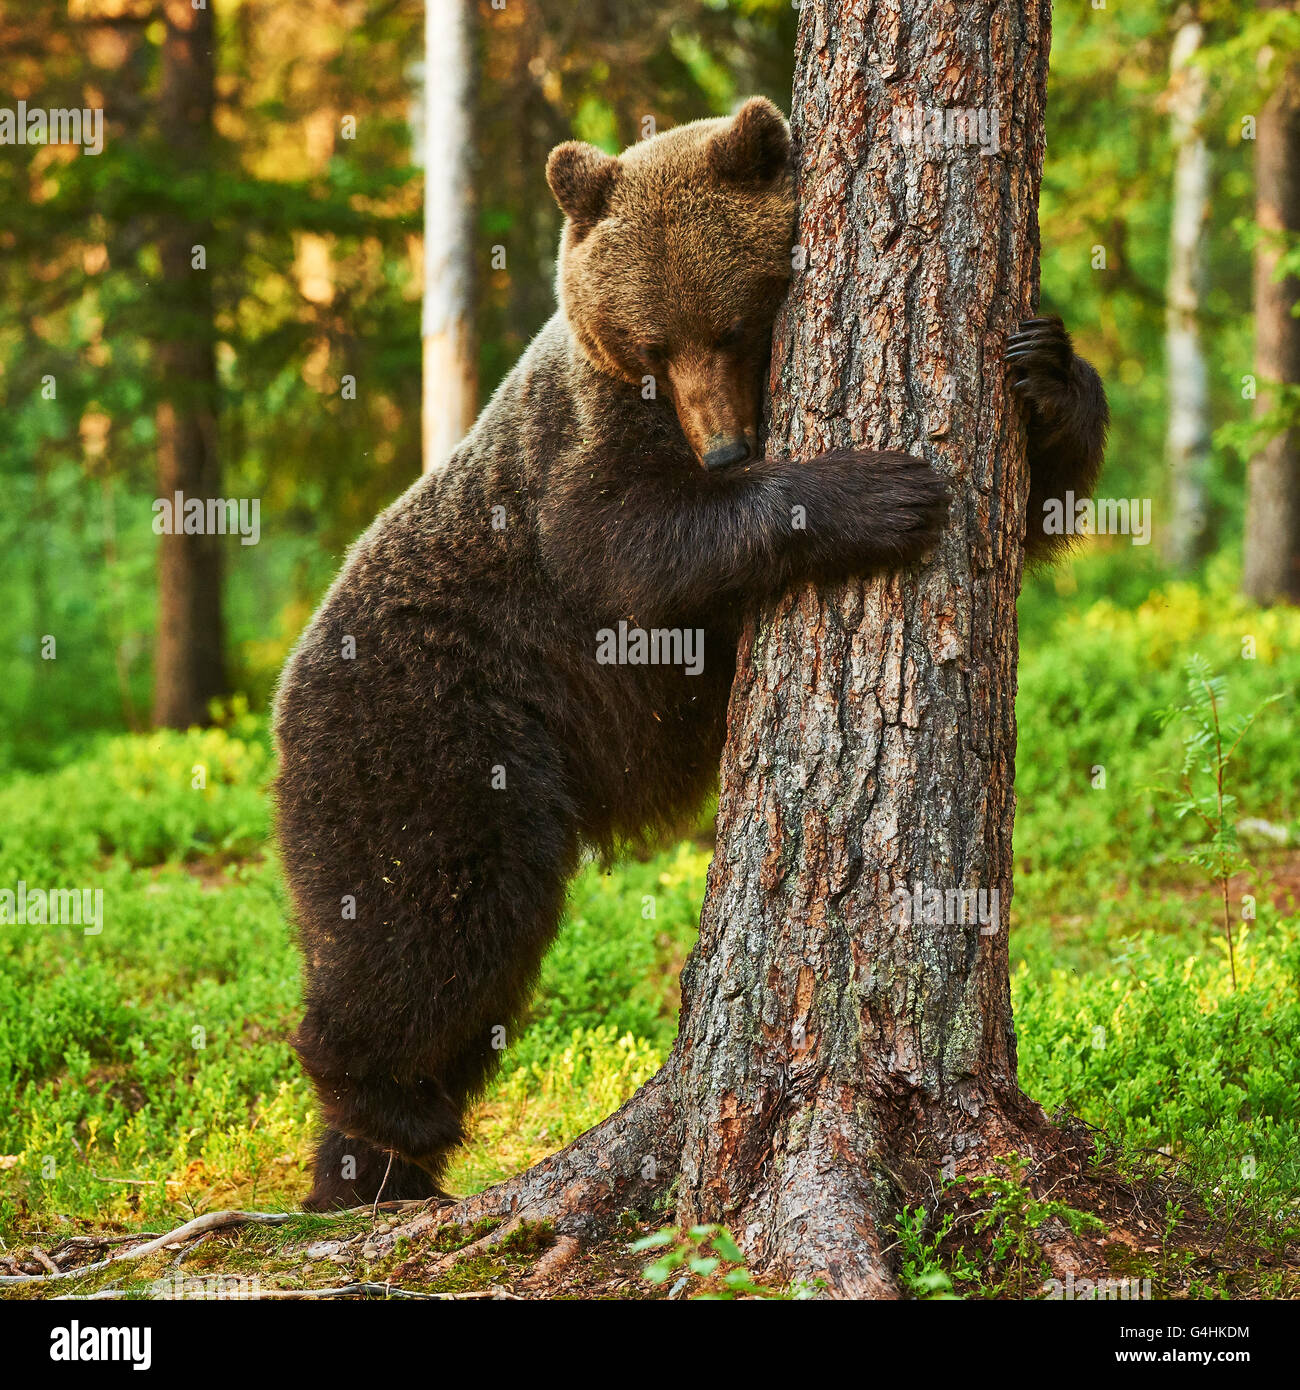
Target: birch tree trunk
<point>189,662</point>
<point>839,1050</point>
<point>450,395</point>
<point>1187,438</point>
<point>1272,539</point>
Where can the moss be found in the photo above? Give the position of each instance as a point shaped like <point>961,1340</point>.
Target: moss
<point>1124,1260</point>
<point>451,1237</point>
<point>528,1239</point>
<point>466,1276</point>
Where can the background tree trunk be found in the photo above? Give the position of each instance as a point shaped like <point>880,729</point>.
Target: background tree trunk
<point>450,400</point>
<point>189,663</point>
<point>1187,438</point>
<point>1272,539</point>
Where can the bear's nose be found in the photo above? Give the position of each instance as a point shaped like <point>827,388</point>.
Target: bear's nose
<point>723,455</point>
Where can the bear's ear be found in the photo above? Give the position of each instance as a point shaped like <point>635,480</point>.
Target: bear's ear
<point>582,178</point>
<point>755,147</point>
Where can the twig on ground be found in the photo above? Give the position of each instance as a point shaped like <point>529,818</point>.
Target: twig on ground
<point>367,1290</point>
<point>139,1182</point>
<point>71,1243</point>
<point>188,1250</point>
<point>212,1221</point>
<point>374,1210</point>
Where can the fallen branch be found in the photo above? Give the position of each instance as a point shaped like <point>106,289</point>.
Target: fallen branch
<point>71,1243</point>
<point>212,1221</point>
<point>368,1290</point>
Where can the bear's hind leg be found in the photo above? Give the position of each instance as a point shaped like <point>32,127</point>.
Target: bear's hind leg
<point>423,913</point>
<point>403,1030</point>
<point>372,1102</point>
<point>353,1173</point>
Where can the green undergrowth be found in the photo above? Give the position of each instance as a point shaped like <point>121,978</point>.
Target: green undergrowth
<point>145,1073</point>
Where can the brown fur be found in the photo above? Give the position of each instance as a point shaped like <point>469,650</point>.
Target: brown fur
<point>674,259</point>
<point>446,778</point>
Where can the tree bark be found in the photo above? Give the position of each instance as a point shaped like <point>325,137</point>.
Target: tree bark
<point>450,369</point>
<point>1187,439</point>
<point>1272,539</point>
<point>189,661</point>
<point>837,1049</point>
<point>838,1054</point>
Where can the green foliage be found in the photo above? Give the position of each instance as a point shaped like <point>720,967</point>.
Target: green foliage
<point>1013,1217</point>
<point>1161,1052</point>
<point>1092,844</point>
<point>1248,436</point>
<point>709,1254</point>
<point>604,941</point>
<point>1010,1263</point>
<point>87,305</point>
<point>923,1271</point>
<point>142,801</point>
<point>1208,748</point>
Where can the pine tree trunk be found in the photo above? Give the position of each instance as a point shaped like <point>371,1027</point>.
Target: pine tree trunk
<point>839,1050</point>
<point>1272,539</point>
<point>450,368</point>
<point>836,1055</point>
<point>189,667</point>
<point>1187,441</point>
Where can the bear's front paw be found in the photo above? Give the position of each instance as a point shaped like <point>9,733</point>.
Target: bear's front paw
<point>1039,357</point>
<point>910,505</point>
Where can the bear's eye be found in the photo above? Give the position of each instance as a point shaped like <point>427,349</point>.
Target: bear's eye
<point>652,352</point>
<point>734,335</point>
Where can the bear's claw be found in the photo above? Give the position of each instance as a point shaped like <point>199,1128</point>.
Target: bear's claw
<point>1039,348</point>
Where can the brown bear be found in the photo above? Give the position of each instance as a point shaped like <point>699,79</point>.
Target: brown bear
<point>458,722</point>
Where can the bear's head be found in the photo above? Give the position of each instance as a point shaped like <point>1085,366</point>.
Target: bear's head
<point>674,262</point>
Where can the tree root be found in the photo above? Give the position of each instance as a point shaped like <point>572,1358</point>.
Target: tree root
<point>816,1206</point>
<point>820,1212</point>
<point>553,1262</point>
<point>627,1162</point>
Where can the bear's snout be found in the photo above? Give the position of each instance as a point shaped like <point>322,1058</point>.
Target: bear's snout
<point>723,453</point>
<point>716,396</point>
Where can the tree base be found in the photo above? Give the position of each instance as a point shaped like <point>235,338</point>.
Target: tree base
<point>823,1217</point>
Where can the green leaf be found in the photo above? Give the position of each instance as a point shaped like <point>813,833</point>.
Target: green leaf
<point>726,1246</point>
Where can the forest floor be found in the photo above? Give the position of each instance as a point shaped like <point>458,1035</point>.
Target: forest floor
<point>1148,1238</point>
<point>146,1078</point>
